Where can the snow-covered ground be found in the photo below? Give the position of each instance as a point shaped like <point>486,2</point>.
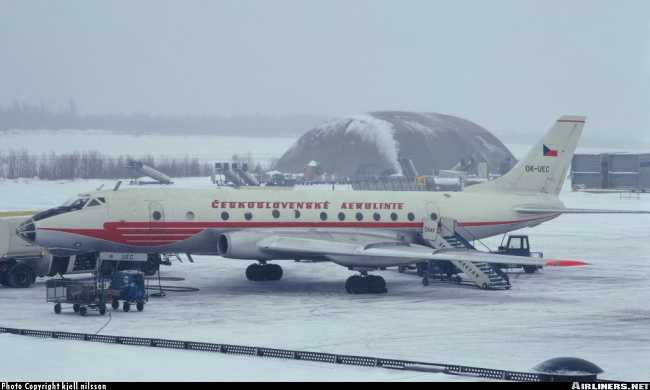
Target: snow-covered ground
<point>204,147</point>
<point>600,312</point>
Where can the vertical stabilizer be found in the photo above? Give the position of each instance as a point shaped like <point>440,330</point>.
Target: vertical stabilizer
<point>545,167</point>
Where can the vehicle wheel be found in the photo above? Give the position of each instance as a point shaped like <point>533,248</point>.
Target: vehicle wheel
<point>75,307</point>
<point>83,310</point>
<point>20,276</point>
<point>139,306</point>
<point>126,307</point>
<point>102,309</point>
<point>57,308</point>
<point>425,281</point>
<point>484,286</point>
<point>115,304</point>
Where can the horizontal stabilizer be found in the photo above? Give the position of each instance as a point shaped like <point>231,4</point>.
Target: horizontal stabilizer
<point>546,210</point>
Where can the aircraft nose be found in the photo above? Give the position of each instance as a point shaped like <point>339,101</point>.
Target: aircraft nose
<point>27,231</point>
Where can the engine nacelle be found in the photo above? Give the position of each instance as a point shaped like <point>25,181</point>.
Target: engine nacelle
<point>241,245</point>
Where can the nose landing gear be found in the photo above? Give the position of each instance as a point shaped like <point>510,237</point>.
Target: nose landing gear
<point>263,272</point>
<point>365,284</point>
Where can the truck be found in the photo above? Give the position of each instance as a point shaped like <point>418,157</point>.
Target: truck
<point>518,245</point>
<point>22,262</point>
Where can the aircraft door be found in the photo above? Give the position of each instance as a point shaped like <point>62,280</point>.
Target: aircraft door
<point>156,213</point>
<point>430,222</point>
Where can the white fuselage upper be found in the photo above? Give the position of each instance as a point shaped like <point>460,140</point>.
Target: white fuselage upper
<point>158,220</point>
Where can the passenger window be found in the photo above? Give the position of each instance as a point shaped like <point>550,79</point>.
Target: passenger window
<point>156,215</point>
<point>323,216</point>
<point>225,215</point>
<point>275,213</point>
<point>248,216</point>
<point>376,216</point>
<point>393,216</point>
<point>341,216</point>
<point>411,216</point>
<point>359,216</point>
<point>296,214</point>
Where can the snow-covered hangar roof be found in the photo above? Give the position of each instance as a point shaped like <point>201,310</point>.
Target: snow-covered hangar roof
<point>352,144</point>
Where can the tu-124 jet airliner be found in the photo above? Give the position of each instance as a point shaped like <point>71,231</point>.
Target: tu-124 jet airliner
<point>362,230</point>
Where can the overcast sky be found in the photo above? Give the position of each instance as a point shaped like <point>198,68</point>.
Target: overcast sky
<point>502,64</point>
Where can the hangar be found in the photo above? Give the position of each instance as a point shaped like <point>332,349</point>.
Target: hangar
<point>373,144</point>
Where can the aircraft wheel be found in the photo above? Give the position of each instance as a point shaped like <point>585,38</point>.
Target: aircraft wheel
<point>357,285</point>
<point>253,272</point>
<point>348,285</point>
<point>57,308</point>
<point>376,284</point>
<point>274,272</point>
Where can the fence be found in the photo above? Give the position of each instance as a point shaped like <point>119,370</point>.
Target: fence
<point>364,361</point>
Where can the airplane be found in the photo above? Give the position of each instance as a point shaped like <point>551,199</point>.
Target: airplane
<point>364,231</point>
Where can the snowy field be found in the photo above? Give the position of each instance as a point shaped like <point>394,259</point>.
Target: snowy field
<point>204,147</point>
<point>600,312</point>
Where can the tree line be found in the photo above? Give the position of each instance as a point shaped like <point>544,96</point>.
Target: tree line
<point>24,116</point>
<point>91,165</point>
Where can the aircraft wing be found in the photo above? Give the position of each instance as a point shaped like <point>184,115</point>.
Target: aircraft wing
<point>402,253</point>
<point>535,210</point>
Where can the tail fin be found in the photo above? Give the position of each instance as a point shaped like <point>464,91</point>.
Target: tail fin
<point>545,166</point>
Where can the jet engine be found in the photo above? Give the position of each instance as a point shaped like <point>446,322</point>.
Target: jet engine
<point>242,245</point>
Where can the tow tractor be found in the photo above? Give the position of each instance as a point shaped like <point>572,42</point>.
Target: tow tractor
<point>518,245</point>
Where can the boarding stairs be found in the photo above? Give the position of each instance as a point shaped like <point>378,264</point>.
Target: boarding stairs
<point>443,234</point>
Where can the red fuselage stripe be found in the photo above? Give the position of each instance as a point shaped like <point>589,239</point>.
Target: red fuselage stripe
<point>158,233</point>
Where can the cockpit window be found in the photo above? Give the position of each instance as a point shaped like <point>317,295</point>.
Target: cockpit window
<point>75,203</point>
<point>101,199</point>
<point>93,202</point>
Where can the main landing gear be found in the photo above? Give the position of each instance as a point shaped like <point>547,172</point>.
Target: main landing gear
<point>263,272</point>
<point>365,284</point>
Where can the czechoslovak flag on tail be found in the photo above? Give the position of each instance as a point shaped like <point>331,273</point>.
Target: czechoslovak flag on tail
<point>548,152</point>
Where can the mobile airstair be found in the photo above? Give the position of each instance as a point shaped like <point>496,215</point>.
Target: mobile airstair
<point>442,233</point>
